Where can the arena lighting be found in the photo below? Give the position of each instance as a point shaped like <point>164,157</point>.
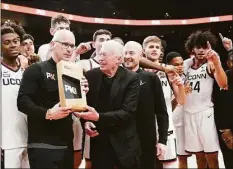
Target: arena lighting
<point>41,12</point>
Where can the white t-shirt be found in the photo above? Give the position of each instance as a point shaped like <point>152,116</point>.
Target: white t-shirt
<point>14,123</point>
<point>44,52</point>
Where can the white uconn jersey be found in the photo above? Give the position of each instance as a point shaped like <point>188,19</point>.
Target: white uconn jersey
<point>14,123</point>
<point>202,84</point>
<point>93,64</point>
<point>167,91</point>
<point>44,52</point>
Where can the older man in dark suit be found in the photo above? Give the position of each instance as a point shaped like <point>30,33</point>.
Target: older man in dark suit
<point>224,116</point>
<point>112,99</point>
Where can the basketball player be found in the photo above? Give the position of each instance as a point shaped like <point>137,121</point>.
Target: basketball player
<point>230,61</point>
<point>150,87</point>
<point>21,32</point>
<point>175,59</point>
<point>28,55</point>
<point>16,27</point>
<point>99,37</point>
<point>227,43</point>
<point>148,64</point>
<point>200,130</point>
<point>14,123</point>
<point>223,118</point>
<point>164,45</point>
<point>58,22</point>
<point>152,47</point>
<point>118,40</point>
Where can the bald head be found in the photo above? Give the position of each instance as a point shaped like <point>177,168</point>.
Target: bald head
<point>112,47</point>
<point>132,54</point>
<point>64,36</point>
<point>133,46</point>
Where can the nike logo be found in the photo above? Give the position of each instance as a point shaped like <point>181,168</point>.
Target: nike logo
<point>142,83</point>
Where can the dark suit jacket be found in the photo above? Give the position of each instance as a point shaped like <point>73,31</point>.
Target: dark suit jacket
<point>223,105</point>
<point>151,102</point>
<point>119,122</point>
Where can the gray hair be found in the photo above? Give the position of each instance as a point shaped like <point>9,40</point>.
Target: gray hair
<point>60,33</point>
<point>114,47</point>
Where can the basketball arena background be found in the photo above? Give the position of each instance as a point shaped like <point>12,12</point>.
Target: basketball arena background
<point>171,20</point>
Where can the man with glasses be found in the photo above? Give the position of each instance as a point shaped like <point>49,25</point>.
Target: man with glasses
<point>58,22</point>
<point>50,140</point>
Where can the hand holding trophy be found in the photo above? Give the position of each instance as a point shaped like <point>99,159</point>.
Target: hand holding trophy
<point>72,86</point>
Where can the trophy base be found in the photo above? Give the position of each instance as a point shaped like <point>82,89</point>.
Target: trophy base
<point>70,89</point>
<point>78,109</point>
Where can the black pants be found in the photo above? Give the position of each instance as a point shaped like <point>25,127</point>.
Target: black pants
<point>227,153</point>
<point>40,158</point>
<point>148,158</point>
<point>104,157</point>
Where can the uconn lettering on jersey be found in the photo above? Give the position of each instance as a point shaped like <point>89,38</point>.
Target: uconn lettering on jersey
<point>164,83</point>
<point>11,81</point>
<point>196,76</point>
<point>163,79</point>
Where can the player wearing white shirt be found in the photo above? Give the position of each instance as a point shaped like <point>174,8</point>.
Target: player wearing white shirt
<point>58,22</point>
<point>175,59</point>
<point>43,52</point>
<point>200,130</point>
<point>168,93</point>
<point>14,123</point>
<point>153,50</point>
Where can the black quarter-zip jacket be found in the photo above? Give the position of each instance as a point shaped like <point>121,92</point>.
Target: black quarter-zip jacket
<point>39,92</point>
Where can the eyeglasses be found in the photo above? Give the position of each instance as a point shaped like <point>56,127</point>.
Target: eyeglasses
<point>66,45</point>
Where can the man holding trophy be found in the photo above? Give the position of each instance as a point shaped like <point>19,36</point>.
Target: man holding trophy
<point>110,117</point>
<point>50,140</point>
